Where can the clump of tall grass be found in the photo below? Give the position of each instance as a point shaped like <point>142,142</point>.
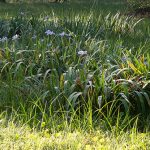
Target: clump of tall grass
<point>75,68</point>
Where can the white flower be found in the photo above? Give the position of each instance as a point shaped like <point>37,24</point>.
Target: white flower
<point>64,34</point>
<point>15,37</point>
<point>22,13</point>
<point>49,45</point>
<point>82,53</point>
<point>49,32</point>
<point>3,39</point>
<point>34,37</point>
<point>42,40</point>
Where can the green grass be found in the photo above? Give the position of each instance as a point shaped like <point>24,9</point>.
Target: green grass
<point>95,76</point>
<point>72,6</point>
<point>23,137</point>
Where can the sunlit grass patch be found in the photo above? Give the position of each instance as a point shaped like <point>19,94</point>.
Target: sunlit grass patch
<point>25,138</point>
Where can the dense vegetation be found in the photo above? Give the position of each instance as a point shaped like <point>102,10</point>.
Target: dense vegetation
<point>85,70</point>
